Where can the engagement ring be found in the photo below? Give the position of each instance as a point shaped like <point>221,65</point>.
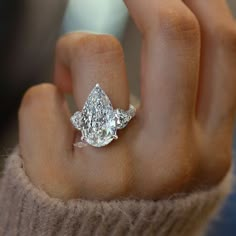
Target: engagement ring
<point>99,121</point>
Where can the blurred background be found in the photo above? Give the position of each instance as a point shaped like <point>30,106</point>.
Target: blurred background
<point>28,34</point>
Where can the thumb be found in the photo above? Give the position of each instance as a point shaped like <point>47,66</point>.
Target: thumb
<point>45,137</point>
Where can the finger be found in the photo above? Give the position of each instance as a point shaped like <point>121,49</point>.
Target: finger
<point>87,59</point>
<point>217,86</point>
<point>45,130</point>
<point>84,60</point>
<point>217,96</point>
<point>170,60</point>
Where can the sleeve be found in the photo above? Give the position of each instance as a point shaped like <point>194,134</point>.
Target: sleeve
<point>26,210</point>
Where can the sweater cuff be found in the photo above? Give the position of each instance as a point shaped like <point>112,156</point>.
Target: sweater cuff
<point>26,210</point>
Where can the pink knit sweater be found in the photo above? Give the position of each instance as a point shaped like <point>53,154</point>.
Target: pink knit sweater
<point>26,210</point>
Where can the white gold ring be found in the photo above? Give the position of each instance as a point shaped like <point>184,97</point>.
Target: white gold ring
<point>98,121</point>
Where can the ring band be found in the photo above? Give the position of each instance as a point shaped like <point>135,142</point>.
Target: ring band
<point>98,121</point>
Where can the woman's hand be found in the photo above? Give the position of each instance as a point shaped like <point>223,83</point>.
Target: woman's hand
<point>181,137</point>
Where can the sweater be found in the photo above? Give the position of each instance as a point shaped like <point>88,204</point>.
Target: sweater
<point>28,211</point>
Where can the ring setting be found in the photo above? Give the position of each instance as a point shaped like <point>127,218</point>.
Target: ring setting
<point>99,121</point>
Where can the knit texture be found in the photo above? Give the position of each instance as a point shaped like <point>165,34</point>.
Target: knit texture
<point>26,210</point>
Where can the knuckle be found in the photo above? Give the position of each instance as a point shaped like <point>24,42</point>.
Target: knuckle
<point>51,178</point>
<point>91,45</point>
<point>113,182</point>
<point>79,45</point>
<point>215,159</point>
<point>178,24</point>
<point>177,179</point>
<point>182,174</point>
<point>118,187</point>
<point>118,183</point>
<point>179,168</point>
<point>113,187</point>
<point>65,45</point>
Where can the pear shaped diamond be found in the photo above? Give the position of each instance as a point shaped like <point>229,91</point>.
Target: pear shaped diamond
<point>98,121</point>
<point>98,125</point>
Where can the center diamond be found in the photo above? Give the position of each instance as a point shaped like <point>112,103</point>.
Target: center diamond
<point>98,124</point>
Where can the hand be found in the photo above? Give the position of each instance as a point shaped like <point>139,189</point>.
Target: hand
<point>181,137</point>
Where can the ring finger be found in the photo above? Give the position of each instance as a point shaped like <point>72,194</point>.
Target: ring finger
<point>83,60</point>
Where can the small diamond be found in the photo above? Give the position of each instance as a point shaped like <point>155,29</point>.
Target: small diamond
<point>76,120</point>
<point>131,111</point>
<point>122,118</point>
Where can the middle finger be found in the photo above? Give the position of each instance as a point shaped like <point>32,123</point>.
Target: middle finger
<point>170,61</point>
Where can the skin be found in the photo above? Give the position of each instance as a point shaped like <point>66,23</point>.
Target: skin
<point>181,137</point>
